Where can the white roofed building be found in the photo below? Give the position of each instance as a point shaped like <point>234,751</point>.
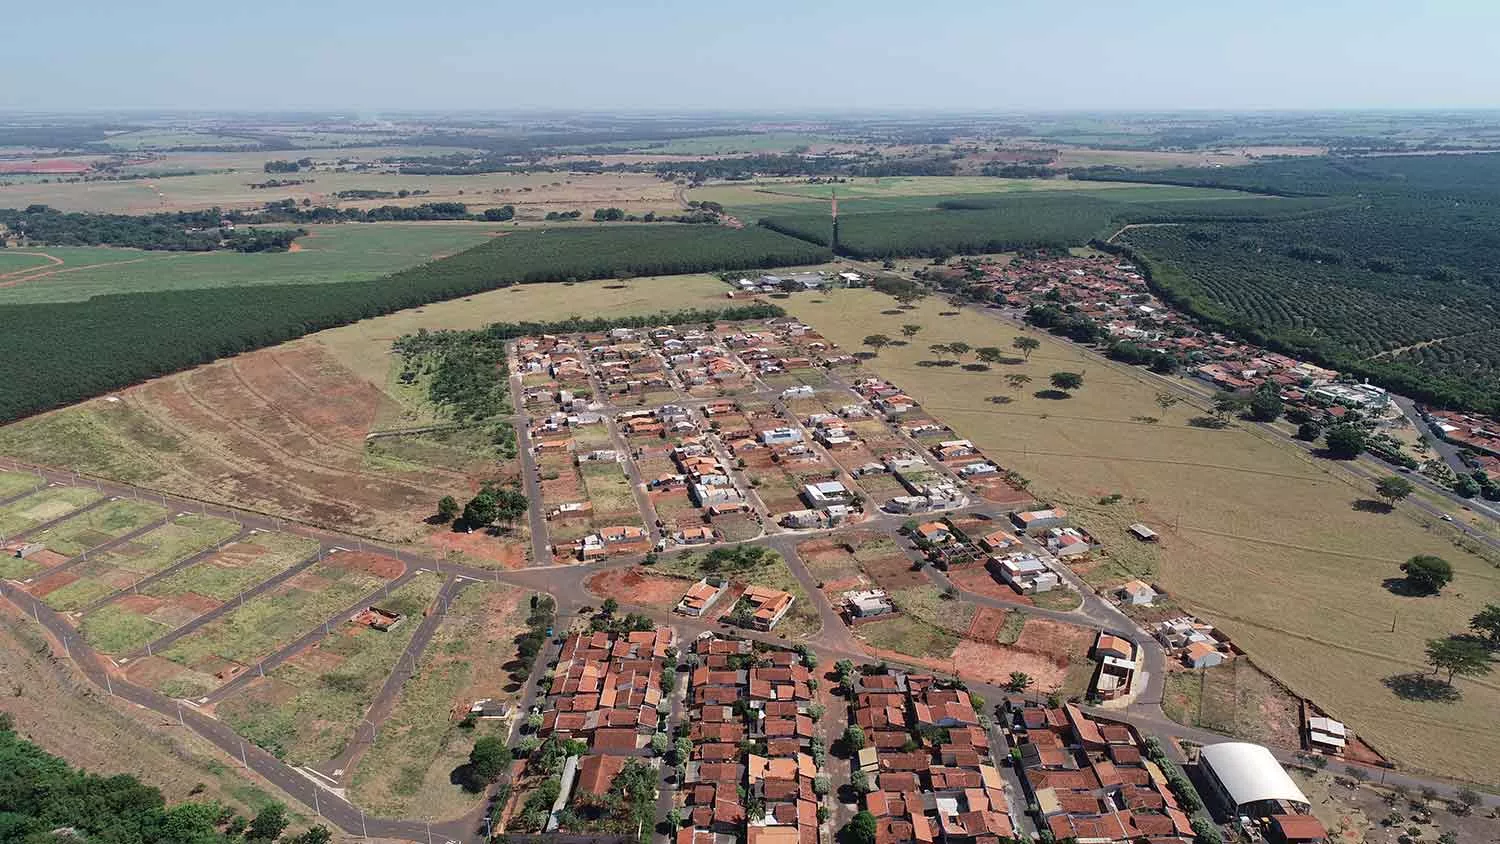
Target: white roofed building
<point>1249,780</point>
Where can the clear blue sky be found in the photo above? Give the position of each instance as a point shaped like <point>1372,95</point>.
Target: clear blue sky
<point>771,54</point>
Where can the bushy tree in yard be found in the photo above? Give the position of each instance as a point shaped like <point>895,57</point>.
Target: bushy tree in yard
<point>1265,404</point>
<point>1344,442</point>
<point>1426,574</point>
<point>660,744</point>
<point>1309,431</point>
<point>1020,681</point>
<point>859,781</point>
<point>854,737</point>
<point>487,760</point>
<point>860,829</point>
<point>447,509</point>
<point>268,824</point>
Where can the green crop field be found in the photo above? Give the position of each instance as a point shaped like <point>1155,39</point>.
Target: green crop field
<point>95,527</point>
<point>330,253</point>
<point>306,710</point>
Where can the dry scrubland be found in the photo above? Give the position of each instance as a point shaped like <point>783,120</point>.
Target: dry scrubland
<point>282,430</point>
<point>1256,536</point>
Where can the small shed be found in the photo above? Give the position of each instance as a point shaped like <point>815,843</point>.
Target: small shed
<point>1143,533</point>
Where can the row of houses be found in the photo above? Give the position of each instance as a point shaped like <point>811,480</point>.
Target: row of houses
<point>1090,781</point>
<point>753,772</point>
<point>927,766</point>
<point>606,690</point>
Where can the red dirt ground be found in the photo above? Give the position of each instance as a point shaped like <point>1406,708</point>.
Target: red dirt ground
<point>386,568</point>
<point>979,581</point>
<point>51,166</point>
<point>45,586</point>
<point>894,572</point>
<point>48,558</point>
<point>504,551</point>
<point>140,604</point>
<point>639,587</point>
<point>986,624</point>
<point>152,671</point>
<point>196,602</point>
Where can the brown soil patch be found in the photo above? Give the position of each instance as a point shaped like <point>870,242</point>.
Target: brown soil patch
<point>990,663</point>
<point>894,572</point>
<point>195,602</point>
<point>152,671</point>
<point>986,624</point>
<point>635,586</point>
<point>51,583</point>
<point>387,568</point>
<point>318,659</point>
<point>505,552</point>
<point>47,558</point>
<point>979,581</point>
<point>139,604</point>
<point>309,582</point>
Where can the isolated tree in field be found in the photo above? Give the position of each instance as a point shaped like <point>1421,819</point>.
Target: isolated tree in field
<point>959,349</point>
<point>1393,488</point>
<point>989,354</point>
<point>448,508</point>
<point>1067,380</point>
<point>1026,345</point>
<point>1265,404</point>
<point>487,760</point>
<point>940,349</point>
<point>1227,404</point>
<point>909,330</point>
<point>1020,681</point>
<point>1458,657</point>
<point>1165,400</point>
<point>1427,575</point>
<point>877,341</point>
<point>1309,431</point>
<point>1344,441</point>
<point>1486,625</point>
<point>1017,380</point>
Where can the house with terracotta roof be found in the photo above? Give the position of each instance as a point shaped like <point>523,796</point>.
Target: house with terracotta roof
<point>700,596</point>
<point>767,606</point>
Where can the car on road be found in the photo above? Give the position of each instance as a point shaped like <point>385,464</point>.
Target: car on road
<point>1445,517</point>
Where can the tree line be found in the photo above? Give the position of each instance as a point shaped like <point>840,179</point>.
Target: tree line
<point>60,353</point>
<point>42,798</point>
<point>183,231</point>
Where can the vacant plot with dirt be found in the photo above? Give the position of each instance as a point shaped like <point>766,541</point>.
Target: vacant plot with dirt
<point>126,624</point>
<point>1234,698</point>
<point>224,647</point>
<point>306,710</point>
<point>124,565</point>
<point>408,771</point>
<point>43,506</point>
<point>96,526</point>
<point>801,621</point>
<point>1256,535</point>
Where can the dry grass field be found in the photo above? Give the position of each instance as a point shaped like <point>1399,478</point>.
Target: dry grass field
<point>223,180</point>
<point>1256,536</point>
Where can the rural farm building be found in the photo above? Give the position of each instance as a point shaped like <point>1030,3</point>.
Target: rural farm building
<point>1249,780</point>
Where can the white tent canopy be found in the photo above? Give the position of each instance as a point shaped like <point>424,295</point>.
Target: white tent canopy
<point>1250,773</point>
